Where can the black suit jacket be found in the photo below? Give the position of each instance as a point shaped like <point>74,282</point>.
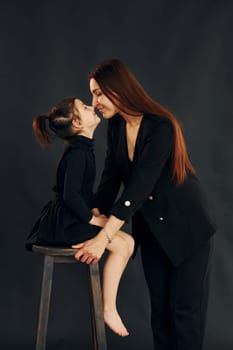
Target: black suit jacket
<point>178,216</point>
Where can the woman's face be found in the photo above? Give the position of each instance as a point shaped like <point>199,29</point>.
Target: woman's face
<point>86,114</point>
<point>101,101</point>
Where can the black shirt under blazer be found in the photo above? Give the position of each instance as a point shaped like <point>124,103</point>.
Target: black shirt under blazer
<point>178,216</point>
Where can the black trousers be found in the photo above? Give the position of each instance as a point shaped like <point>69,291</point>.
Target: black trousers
<point>179,295</point>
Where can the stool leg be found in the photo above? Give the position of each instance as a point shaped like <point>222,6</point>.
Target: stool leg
<point>44,303</point>
<point>98,328</point>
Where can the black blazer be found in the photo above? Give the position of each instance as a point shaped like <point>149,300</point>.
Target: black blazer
<point>178,216</point>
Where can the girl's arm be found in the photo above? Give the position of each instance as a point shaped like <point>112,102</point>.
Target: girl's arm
<point>72,192</point>
<point>95,212</point>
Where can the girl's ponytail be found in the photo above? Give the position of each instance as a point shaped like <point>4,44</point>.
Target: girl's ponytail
<point>57,122</point>
<point>40,129</point>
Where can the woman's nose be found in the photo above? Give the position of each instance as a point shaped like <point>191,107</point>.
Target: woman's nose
<point>94,101</point>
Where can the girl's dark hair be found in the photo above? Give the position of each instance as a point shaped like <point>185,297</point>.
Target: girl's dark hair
<point>119,84</point>
<point>57,122</point>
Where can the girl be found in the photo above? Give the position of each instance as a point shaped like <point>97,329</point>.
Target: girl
<point>170,214</point>
<point>68,218</point>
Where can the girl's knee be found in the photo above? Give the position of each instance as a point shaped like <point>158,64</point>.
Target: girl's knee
<point>127,243</point>
<point>131,244</point>
<point>122,244</point>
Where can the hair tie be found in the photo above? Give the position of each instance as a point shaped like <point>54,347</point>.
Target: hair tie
<point>51,112</point>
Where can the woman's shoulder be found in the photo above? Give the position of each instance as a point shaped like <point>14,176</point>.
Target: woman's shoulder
<point>156,124</point>
<point>155,119</point>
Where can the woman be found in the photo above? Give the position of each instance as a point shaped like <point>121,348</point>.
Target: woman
<point>163,197</point>
<point>68,218</point>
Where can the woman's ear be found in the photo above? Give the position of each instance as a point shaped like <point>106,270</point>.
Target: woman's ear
<point>77,124</point>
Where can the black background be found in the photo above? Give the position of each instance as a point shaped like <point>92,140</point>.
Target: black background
<point>181,52</point>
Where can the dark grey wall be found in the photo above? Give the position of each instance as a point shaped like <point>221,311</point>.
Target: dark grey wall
<point>181,51</point>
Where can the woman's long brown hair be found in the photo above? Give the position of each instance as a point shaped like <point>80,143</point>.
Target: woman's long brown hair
<point>119,84</point>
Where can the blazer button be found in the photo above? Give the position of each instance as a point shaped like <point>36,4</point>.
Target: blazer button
<point>161,218</point>
<point>127,203</point>
<point>151,198</point>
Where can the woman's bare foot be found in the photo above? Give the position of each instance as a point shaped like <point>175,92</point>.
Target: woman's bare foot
<point>114,322</point>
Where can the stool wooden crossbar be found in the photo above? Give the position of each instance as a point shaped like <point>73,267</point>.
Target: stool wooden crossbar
<point>54,255</point>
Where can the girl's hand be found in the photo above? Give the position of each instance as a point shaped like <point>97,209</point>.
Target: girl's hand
<point>95,211</point>
<point>98,220</point>
<point>92,250</point>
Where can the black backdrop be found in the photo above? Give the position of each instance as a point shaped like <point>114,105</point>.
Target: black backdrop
<point>181,51</point>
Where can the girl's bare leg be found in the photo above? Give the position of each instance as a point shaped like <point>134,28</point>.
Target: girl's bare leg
<point>120,250</point>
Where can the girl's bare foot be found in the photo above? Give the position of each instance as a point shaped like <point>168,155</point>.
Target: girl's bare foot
<point>114,322</point>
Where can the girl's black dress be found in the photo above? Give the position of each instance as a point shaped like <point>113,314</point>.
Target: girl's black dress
<point>64,220</point>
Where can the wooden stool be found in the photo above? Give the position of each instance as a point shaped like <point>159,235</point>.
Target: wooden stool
<point>66,255</point>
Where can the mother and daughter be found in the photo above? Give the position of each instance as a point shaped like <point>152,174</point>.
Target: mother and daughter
<point>162,196</point>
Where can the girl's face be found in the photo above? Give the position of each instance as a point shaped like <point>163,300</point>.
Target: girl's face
<point>87,118</point>
<point>101,101</point>
<point>86,121</point>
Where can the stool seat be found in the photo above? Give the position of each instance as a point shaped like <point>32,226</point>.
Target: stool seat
<point>53,254</point>
<point>54,251</point>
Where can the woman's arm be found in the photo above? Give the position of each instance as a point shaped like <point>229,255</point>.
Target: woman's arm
<point>92,250</point>
<point>110,180</point>
<point>146,172</point>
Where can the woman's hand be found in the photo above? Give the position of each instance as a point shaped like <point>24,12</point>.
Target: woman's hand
<point>92,250</point>
<point>98,220</point>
